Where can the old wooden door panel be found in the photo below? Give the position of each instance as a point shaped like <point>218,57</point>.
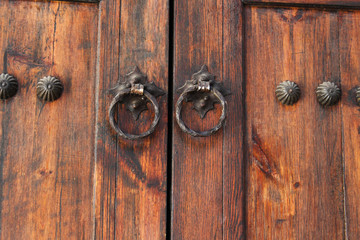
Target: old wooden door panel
<point>207,185</point>
<point>47,150</point>
<point>319,3</point>
<point>349,38</point>
<point>131,176</point>
<point>297,154</point>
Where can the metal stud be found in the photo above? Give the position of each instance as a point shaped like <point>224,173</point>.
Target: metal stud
<point>8,86</point>
<point>358,95</point>
<point>49,89</point>
<point>288,92</point>
<point>328,93</point>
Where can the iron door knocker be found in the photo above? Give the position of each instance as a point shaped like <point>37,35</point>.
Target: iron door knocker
<point>204,91</point>
<point>135,92</point>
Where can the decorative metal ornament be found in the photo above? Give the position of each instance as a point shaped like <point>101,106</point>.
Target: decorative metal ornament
<point>203,91</point>
<point>358,95</point>
<point>288,92</point>
<point>328,93</point>
<point>135,92</point>
<point>49,89</point>
<point>8,86</point>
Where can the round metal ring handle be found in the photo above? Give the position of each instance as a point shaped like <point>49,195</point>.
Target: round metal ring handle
<point>112,108</point>
<point>135,92</point>
<point>207,132</point>
<point>115,126</point>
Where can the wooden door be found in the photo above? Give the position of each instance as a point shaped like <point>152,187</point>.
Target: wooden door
<point>64,172</point>
<point>272,171</point>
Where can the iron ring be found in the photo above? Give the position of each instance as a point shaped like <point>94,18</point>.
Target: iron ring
<point>115,126</point>
<point>207,132</point>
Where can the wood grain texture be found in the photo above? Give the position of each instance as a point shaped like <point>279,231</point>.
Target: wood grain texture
<point>294,165</point>
<point>350,72</point>
<point>207,188</point>
<point>47,150</point>
<point>70,1</point>
<point>233,147</point>
<point>335,3</point>
<point>131,176</point>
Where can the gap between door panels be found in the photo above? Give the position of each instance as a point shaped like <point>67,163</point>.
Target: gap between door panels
<point>170,120</point>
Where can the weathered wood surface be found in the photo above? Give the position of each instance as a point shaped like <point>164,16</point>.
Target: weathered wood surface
<point>207,193</point>
<point>295,160</point>
<point>334,3</point>
<point>349,38</point>
<point>47,150</point>
<point>131,176</point>
<point>65,174</point>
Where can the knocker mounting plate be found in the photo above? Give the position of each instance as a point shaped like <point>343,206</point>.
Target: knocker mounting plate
<point>199,91</point>
<point>135,92</point>
<point>204,92</point>
<point>137,82</point>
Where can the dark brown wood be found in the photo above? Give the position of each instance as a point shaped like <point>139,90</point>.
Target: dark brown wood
<point>130,175</point>
<point>349,38</point>
<point>294,169</point>
<point>207,172</point>
<point>338,3</point>
<point>47,150</point>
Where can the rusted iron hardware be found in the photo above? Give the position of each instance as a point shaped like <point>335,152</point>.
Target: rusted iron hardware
<point>8,86</point>
<point>49,89</point>
<point>135,92</point>
<point>328,93</point>
<point>203,91</point>
<point>288,93</point>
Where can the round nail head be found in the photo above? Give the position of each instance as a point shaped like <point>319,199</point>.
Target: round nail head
<point>288,93</point>
<point>8,86</point>
<point>49,89</point>
<point>328,93</point>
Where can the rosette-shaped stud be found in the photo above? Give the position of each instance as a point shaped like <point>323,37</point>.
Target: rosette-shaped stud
<point>358,95</point>
<point>328,93</point>
<point>8,86</point>
<point>49,89</point>
<point>288,92</point>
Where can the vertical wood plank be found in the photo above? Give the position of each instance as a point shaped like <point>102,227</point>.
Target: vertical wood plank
<point>233,148</point>
<point>197,162</point>
<point>294,173</point>
<point>131,175</point>
<point>350,72</point>
<point>47,153</point>
<point>333,3</point>
<point>207,172</point>
<point>106,147</point>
